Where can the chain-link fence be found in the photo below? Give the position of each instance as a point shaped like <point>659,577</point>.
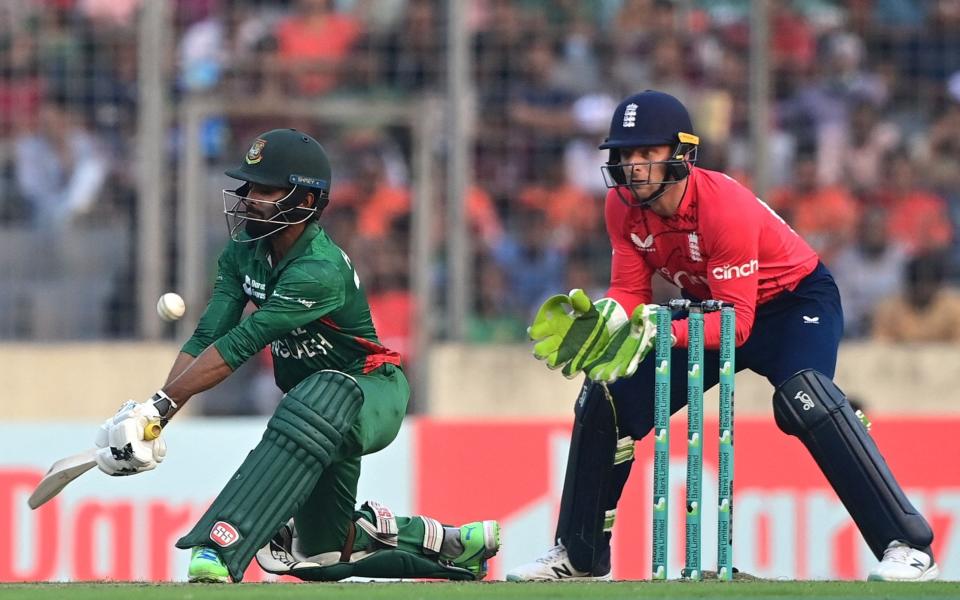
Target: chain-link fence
<point>845,115</point>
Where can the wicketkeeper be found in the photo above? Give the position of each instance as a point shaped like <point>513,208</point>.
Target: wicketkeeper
<point>714,239</point>
<point>292,502</point>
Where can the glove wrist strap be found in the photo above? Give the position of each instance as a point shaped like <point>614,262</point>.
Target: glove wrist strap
<point>164,405</point>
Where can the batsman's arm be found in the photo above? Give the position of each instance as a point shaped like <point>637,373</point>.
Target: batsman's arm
<point>179,366</point>
<point>202,373</point>
<point>222,313</point>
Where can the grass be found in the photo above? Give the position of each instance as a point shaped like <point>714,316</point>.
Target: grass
<point>480,591</point>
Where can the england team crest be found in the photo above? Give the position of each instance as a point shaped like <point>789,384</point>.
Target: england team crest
<point>255,153</point>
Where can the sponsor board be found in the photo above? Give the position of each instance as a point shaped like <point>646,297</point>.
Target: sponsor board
<point>787,521</point>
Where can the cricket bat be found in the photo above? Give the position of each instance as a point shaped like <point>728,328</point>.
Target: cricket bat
<point>67,469</point>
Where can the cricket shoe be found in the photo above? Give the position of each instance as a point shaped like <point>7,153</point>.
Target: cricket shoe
<point>555,565</point>
<point>900,562</point>
<point>206,566</point>
<point>481,541</point>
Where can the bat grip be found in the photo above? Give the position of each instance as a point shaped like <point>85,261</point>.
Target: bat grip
<point>153,430</point>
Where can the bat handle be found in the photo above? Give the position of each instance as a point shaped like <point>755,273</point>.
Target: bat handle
<point>153,430</point>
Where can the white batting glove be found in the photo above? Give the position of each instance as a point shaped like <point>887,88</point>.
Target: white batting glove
<point>120,439</point>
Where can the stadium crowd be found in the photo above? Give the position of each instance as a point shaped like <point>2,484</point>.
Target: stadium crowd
<point>864,136</point>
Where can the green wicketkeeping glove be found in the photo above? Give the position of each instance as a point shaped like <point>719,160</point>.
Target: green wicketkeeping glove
<point>569,331</point>
<point>627,347</point>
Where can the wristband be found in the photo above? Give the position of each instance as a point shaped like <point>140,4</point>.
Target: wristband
<point>164,405</point>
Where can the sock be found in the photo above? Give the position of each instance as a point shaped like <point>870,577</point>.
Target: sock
<point>451,547</point>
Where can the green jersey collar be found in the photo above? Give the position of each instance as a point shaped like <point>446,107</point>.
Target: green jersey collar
<point>298,248</point>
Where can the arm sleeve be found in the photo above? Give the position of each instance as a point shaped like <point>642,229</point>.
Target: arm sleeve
<point>732,240</point>
<point>304,293</point>
<point>629,274</point>
<point>224,309</point>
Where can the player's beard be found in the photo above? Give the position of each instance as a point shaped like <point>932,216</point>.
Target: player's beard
<point>258,229</point>
<point>263,226</point>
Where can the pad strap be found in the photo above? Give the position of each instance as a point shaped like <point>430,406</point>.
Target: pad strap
<point>348,543</point>
<point>432,534</point>
<point>385,529</point>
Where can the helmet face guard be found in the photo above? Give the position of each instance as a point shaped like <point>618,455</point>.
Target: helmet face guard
<point>282,213</point>
<point>626,178</point>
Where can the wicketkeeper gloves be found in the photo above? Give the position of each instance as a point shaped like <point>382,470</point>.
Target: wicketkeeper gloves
<point>574,335</point>
<point>570,332</point>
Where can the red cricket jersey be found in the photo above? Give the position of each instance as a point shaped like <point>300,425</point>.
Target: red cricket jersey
<point>724,243</point>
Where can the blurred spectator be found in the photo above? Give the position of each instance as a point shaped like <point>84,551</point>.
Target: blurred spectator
<point>569,209</point>
<point>494,319</point>
<point>578,71</point>
<point>793,40</point>
<point>932,52</point>
<point>313,46</point>
<point>21,87</point>
<point>928,311</point>
<point>826,216</point>
<point>533,256</point>
<point>223,47</point>
<point>868,271</point>
<point>539,106</point>
<point>868,140</point>
<point>581,157</point>
<point>636,31</point>
<point>60,38</point>
<point>819,111</point>
<point>410,50</point>
<point>60,166</point>
<point>110,13</point>
<point>671,69</point>
<point>941,151</point>
<point>498,51</point>
<point>388,293</point>
<point>919,219</point>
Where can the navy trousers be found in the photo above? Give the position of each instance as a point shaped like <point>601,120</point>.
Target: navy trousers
<point>796,330</point>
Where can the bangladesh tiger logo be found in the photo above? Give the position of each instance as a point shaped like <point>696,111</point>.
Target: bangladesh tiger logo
<point>255,153</point>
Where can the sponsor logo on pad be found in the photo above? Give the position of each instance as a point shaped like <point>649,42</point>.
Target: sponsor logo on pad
<point>224,534</point>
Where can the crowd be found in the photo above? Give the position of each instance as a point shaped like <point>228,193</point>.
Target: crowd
<point>863,140</point>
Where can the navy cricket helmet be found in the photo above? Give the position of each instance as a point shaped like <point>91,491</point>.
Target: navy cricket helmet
<point>650,118</point>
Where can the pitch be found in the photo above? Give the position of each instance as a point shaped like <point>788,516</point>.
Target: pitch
<point>482,591</point>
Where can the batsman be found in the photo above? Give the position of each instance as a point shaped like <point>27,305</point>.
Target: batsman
<point>714,239</point>
<point>292,503</point>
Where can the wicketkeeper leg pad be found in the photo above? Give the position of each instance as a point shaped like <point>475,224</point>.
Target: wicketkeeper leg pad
<point>811,407</point>
<point>597,468</point>
<point>301,439</point>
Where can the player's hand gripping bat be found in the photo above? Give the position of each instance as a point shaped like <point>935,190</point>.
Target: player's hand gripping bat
<point>67,469</point>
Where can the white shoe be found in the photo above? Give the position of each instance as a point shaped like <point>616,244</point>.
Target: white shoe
<point>552,566</point>
<point>902,563</point>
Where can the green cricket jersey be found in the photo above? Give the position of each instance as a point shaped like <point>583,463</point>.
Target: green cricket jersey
<point>311,310</point>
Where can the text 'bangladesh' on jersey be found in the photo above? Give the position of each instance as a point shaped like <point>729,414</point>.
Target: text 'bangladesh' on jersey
<point>311,311</point>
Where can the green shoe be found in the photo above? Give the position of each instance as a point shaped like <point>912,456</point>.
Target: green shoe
<point>206,566</point>
<point>481,540</point>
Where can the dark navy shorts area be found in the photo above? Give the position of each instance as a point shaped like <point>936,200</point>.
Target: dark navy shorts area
<point>797,330</point>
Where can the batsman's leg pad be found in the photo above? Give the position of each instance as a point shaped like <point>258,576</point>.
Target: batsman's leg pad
<point>597,468</point>
<point>301,439</point>
<point>811,407</point>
